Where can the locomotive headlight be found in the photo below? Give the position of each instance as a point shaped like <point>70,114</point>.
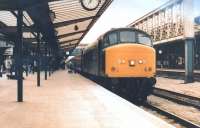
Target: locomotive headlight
<point>131,63</point>
<point>140,61</point>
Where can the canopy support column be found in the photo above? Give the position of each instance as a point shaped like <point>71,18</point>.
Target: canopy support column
<point>49,62</point>
<point>19,46</point>
<point>189,60</point>
<point>38,59</point>
<point>46,66</point>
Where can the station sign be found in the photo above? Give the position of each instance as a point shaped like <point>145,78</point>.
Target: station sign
<point>197,20</point>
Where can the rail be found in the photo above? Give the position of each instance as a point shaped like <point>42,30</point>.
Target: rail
<point>177,97</point>
<point>176,118</point>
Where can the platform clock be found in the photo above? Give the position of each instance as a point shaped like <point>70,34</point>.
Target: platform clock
<point>90,4</point>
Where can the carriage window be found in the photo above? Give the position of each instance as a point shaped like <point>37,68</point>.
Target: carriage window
<point>127,36</point>
<point>144,39</point>
<point>112,38</point>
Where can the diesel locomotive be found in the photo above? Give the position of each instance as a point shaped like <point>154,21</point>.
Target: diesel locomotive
<point>124,59</point>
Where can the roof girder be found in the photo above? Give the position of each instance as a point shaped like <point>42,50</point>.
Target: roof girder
<point>71,34</point>
<point>64,42</point>
<point>69,22</point>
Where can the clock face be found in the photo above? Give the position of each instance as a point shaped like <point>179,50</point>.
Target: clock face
<point>90,4</point>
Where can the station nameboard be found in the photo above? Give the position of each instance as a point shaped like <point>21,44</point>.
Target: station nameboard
<point>197,20</point>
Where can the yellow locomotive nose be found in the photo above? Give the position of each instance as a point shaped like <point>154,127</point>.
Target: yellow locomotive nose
<point>130,60</point>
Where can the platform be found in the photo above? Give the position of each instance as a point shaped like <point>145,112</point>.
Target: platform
<point>176,73</point>
<point>69,101</point>
<point>179,86</point>
<point>173,80</point>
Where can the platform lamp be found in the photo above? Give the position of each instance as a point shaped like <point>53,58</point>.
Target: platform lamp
<point>161,58</point>
<point>67,53</point>
<point>160,52</point>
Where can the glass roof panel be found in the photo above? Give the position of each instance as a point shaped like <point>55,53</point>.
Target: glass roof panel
<point>28,35</point>
<point>70,28</point>
<point>8,18</point>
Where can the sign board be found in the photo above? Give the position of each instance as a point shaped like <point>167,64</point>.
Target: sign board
<point>67,53</point>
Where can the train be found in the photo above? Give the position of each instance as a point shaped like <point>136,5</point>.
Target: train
<point>123,59</point>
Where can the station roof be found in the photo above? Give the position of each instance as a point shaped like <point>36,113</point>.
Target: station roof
<point>62,23</point>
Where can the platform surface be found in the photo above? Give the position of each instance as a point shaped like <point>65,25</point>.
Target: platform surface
<point>175,82</point>
<point>69,101</point>
<point>177,85</point>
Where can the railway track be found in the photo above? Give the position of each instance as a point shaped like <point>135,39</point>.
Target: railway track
<point>177,119</point>
<point>177,97</point>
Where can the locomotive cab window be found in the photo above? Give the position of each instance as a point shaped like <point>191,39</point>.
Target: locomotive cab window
<point>112,38</point>
<point>127,37</point>
<point>144,39</point>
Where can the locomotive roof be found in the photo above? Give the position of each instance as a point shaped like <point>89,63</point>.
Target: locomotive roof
<point>94,44</point>
<point>125,28</point>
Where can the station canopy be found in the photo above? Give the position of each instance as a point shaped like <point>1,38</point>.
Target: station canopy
<point>62,23</point>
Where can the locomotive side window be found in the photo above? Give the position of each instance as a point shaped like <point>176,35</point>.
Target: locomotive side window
<point>127,36</point>
<point>112,38</point>
<point>106,42</point>
<point>143,39</point>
